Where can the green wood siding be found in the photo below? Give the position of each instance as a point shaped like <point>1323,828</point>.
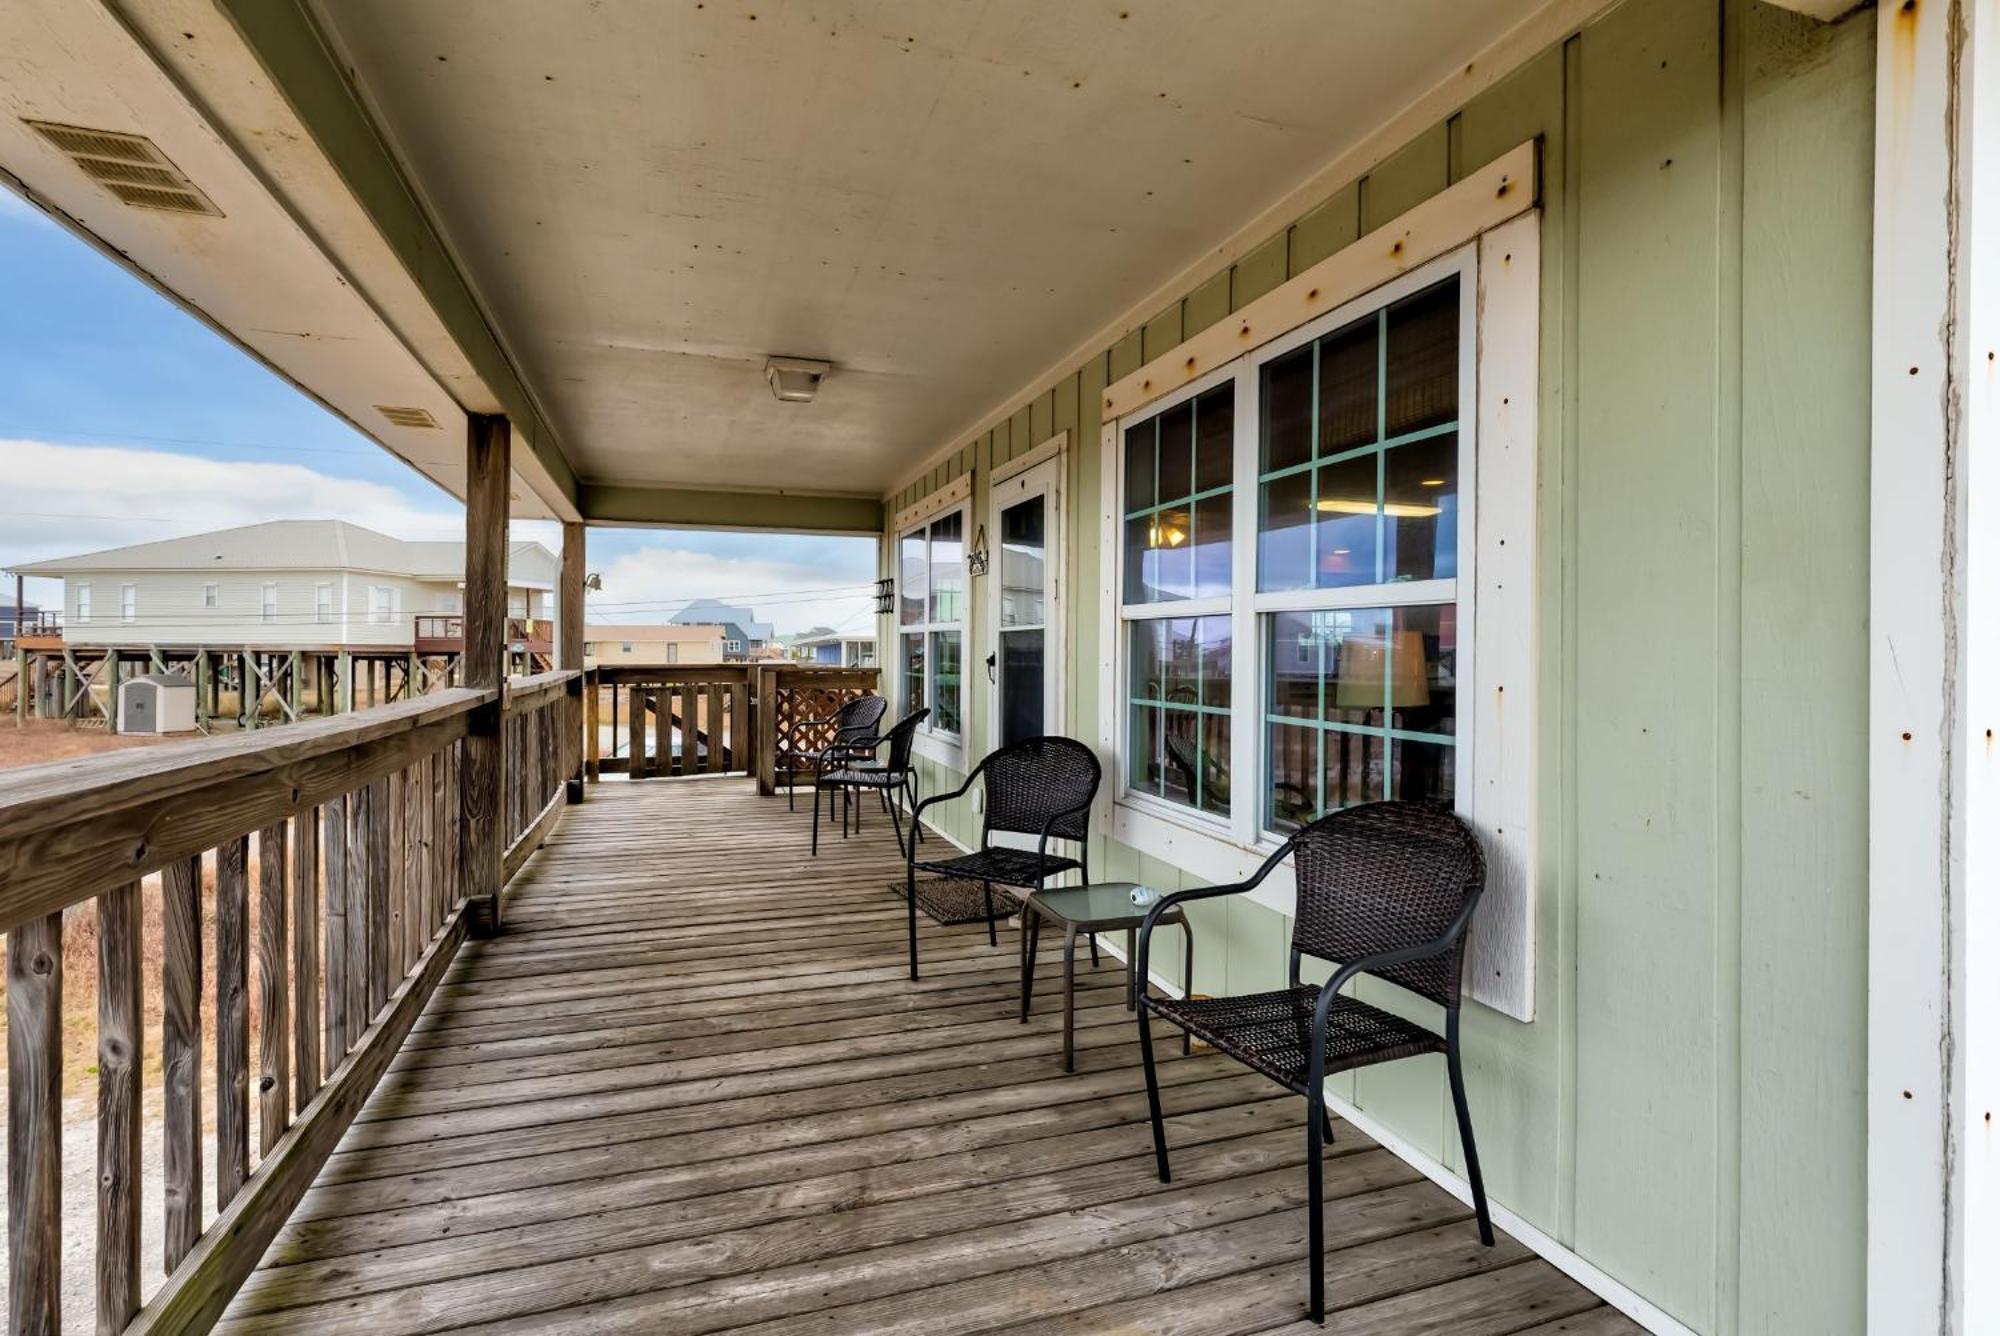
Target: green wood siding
<point>1686,1110</point>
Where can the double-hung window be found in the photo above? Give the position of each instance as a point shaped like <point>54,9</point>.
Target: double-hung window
<point>1358,554</point>
<point>270,601</point>
<point>1178,549</point>
<point>83,601</point>
<point>1291,601</point>
<point>211,597</point>
<point>930,617</point>
<point>382,604</point>
<point>128,602</point>
<point>323,603</point>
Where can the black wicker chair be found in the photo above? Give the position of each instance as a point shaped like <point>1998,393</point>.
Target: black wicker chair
<point>1037,786</point>
<point>850,769</point>
<point>1386,889</point>
<point>857,720</point>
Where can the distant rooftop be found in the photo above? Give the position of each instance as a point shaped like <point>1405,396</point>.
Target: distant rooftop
<point>317,545</point>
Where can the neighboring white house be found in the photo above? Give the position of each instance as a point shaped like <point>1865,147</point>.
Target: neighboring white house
<point>285,584</point>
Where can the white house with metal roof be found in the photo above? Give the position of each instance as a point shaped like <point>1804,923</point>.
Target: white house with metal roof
<point>284,584</point>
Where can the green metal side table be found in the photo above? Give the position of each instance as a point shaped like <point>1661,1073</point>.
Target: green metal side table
<point>1104,906</point>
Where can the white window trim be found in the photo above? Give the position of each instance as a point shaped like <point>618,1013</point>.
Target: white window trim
<point>1500,285</point>
<point>83,600</point>
<point>211,596</point>
<point>267,601</point>
<point>128,602</point>
<point>1055,556</point>
<point>935,743</point>
<point>323,603</point>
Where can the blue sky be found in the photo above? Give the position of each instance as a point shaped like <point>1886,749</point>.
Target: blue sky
<point>124,419</point>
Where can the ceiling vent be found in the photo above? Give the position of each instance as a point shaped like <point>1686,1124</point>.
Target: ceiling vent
<point>407,417</point>
<point>131,167</point>
<point>795,380</point>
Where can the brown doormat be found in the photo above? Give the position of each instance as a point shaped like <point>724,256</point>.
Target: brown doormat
<point>952,900</point>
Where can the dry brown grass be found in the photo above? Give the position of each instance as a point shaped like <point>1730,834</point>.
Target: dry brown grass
<point>33,741</point>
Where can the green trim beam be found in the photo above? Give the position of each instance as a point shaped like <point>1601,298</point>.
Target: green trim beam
<point>687,508</point>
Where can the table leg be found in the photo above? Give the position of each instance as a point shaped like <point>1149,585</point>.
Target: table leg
<point>1069,999</point>
<point>1132,984</point>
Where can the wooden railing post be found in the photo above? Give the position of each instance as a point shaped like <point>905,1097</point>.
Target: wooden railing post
<point>481,664</point>
<point>569,654</point>
<point>120,1103</point>
<point>34,1125</point>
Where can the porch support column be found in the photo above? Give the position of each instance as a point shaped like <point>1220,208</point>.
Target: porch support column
<point>1934,674</point>
<point>569,654</point>
<point>481,663</point>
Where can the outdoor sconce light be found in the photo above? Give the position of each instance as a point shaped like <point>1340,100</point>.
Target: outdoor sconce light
<point>885,595</point>
<point>795,380</point>
<point>975,557</point>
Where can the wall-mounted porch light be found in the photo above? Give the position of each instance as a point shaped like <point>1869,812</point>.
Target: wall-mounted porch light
<point>795,380</point>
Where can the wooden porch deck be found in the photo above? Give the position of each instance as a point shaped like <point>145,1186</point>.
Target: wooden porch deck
<point>691,1089</point>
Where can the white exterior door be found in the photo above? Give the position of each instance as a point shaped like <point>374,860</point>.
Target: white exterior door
<point>1025,522</point>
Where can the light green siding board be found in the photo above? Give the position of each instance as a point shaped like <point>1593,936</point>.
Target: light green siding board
<point>1017,430</point>
<point>1406,179</point>
<point>1041,419</point>
<point>1205,305</point>
<point>1062,411</point>
<point>1256,949</point>
<point>1326,229</point>
<point>1257,272</point>
<point>1646,803</point>
<point>1085,555</point>
<point>1125,356</point>
<point>1526,103</point>
<point>1161,334</point>
<point>1807,218</point>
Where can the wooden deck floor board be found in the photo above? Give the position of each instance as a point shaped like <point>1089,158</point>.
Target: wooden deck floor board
<point>691,1089</point>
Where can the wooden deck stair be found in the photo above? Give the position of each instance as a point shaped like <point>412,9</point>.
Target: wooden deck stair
<point>691,1089</point>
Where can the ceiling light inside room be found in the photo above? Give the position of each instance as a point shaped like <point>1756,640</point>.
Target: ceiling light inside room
<point>795,380</point>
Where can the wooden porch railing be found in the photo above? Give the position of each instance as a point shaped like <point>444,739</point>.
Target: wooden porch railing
<point>787,695</point>
<point>712,718</point>
<point>667,720</point>
<point>359,899</point>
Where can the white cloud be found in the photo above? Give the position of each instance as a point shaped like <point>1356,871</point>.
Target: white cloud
<point>651,583</point>
<point>59,500</point>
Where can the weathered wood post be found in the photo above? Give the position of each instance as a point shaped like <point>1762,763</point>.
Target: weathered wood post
<point>569,655</point>
<point>481,662</point>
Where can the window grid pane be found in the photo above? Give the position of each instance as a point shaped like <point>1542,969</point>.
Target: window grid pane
<point>1177,708</point>
<point>1176,507</point>
<point>1381,683</point>
<point>1316,453</point>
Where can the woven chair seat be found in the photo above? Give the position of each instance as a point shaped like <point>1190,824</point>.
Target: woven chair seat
<point>858,777</point>
<point>1010,867</point>
<point>1272,1032</point>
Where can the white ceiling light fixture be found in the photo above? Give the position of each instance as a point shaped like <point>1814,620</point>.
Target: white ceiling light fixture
<point>795,380</point>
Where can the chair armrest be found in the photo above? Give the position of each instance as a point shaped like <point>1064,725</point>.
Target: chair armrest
<point>1042,840</point>
<point>1169,901</point>
<point>958,792</point>
<point>1374,963</point>
<point>853,749</point>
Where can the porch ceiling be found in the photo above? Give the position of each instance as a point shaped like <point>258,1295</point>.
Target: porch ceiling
<point>938,198</point>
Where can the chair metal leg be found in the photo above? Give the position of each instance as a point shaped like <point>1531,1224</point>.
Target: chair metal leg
<point>1457,1072</point>
<point>992,937</point>
<point>896,824</point>
<point>1153,1093</point>
<point>815,820</point>
<point>910,889</point>
<point>1187,979</point>
<point>1031,938</point>
<point>1315,1194</point>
